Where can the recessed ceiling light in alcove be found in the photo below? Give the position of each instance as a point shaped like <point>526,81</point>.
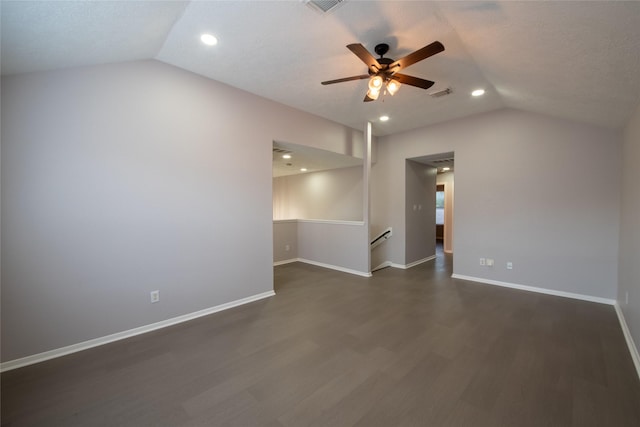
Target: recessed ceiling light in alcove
<point>477,92</point>
<point>286,156</point>
<point>384,118</point>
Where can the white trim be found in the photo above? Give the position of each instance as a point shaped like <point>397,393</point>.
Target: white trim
<point>536,289</point>
<point>420,261</point>
<point>51,354</point>
<point>383,265</point>
<point>286,261</point>
<point>318,221</point>
<point>335,267</point>
<point>284,221</point>
<point>331,221</point>
<point>627,336</point>
<point>408,266</point>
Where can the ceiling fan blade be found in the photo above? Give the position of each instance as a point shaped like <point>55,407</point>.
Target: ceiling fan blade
<point>413,81</point>
<point>418,55</point>
<point>364,55</point>
<point>346,79</point>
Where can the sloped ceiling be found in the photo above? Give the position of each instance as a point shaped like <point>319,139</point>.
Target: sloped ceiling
<point>574,60</point>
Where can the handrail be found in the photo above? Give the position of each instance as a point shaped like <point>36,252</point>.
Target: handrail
<point>382,237</point>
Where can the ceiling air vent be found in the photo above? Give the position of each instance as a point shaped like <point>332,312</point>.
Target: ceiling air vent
<point>322,6</point>
<point>280,151</point>
<point>441,93</point>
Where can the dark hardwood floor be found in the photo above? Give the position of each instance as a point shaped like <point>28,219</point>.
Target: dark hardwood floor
<point>404,348</point>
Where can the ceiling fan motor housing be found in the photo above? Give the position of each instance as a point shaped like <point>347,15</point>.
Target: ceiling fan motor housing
<point>381,49</point>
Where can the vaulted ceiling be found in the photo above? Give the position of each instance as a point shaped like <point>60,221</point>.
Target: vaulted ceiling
<point>574,60</point>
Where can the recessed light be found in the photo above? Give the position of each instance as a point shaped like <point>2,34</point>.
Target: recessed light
<point>477,92</point>
<point>286,156</point>
<point>209,40</point>
<point>445,169</point>
<point>384,118</point>
<point>303,169</point>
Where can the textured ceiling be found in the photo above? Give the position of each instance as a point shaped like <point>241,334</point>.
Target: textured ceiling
<point>575,60</point>
<point>44,35</point>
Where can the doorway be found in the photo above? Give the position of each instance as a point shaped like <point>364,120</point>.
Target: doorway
<point>444,207</point>
<point>439,218</point>
<point>438,196</point>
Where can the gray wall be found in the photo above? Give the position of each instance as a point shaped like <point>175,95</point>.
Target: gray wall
<point>285,240</point>
<point>333,194</point>
<point>122,179</point>
<point>342,245</point>
<point>420,211</point>
<point>629,273</point>
<point>539,192</point>
<point>335,244</point>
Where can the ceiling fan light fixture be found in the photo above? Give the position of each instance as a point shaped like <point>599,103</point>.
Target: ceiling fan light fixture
<point>375,83</point>
<point>393,86</point>
<point>383,72</point>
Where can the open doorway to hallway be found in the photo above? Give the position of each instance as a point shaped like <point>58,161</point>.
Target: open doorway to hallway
<point>439,196</point>
<point>444,206</point>
<point>439,219</point>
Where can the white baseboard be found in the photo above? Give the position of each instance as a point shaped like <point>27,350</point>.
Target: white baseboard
<point>360,273</point>
<point>413,264</point>
<point>633,349</point>
<point>51,354</point>
<point>335,267</point>
<point>536,289</point>
<point>381,266</point>
<point>286,261</point>
<point>420,261</point>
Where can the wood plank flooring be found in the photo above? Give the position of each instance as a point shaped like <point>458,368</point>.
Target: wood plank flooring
<point>404,348</point>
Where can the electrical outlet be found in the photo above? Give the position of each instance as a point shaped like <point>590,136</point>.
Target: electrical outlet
<point>155,296</point>
<point>483,261</point>
<point>509,265</point>
<point>287,248</point>
<point>489,262</point>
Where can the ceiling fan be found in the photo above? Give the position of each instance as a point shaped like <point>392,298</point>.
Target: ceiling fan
<point>383,72</point>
